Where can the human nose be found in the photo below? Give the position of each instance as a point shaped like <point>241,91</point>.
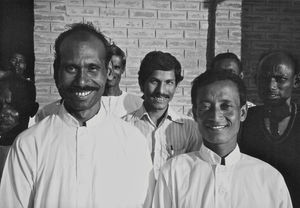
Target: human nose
<point>81,78</point>
<point>161,88</point>
<point>215,114</point>
<point>272,84</point>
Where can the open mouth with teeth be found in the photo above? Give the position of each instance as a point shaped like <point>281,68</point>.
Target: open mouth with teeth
<point>82,94</point>
<point>159,99</point>
<point>216,127</point>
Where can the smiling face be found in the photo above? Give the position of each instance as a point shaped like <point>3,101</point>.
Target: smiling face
<point>276,79</point>
<point>117,69</point>
<point>82,73</point>
<point>159,90</point>
<point>218,112</point>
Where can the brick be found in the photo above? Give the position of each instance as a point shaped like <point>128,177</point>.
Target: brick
<point>222,14</point>
<point>130,81</point>
<point>235,15</point>
<point>42,26</point>
<point>264,45</point>
<point>99,22</point>
<point>141,33</point>
<point>229,24</point>
<point>161,5</point>
<point>43,89</point>
<point>169,33</point>
<point>279,36</point>
<point>188,25</point>
<point>42,48</point>
<point>266,10</point>
<point>41,69</point>
<point>42,6</point>
<point>172,15</point>
<point>113,12</point>
<point>181,43</point>
<point>152,43</point>
<point>294,29</point>
<point>281,19</point>
<point>203,25</point>
<point>58,7</point>
<point>128,23</point>
<point>54,90</point>
<point>260,27</point>
<point>195,34</point>
<point>143,13</point>
<point>44,17</point>
<point>74,3</point>
<point>254,18</point>
<point>196,53</point>
<point>185,6</point>
<point>82,11</point>
<point>132,71</point>
<point>73,19</point>
<point>45,37</point>
<point>134,90</point>
<point>177,108</point>
<point>126,43</point>
<point>189,63</point>
<point>197,15</point>
<point>201,43</point>
<point>230,5</point>
<point>235,34</point>
<point>137,52</point>
<point>43,80</point>
<point>192,73</point>
<point>181,100</point>
<point>115,32</point>
<point>99,3</point>
<point>129,4</point>
<point>164,24</point>
<point>44,58</point>
<point>58,27</point>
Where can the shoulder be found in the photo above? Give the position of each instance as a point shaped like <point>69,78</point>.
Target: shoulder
<point>131,117</point>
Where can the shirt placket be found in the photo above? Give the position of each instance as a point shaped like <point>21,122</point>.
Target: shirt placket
<point>82,167</point>
<point>222,185</point>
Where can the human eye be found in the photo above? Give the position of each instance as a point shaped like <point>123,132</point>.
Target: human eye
<point>94,68</point>
<point>70,68</point>
<point>203,106</point>
<point>226,106</point>
<point>171,82</point>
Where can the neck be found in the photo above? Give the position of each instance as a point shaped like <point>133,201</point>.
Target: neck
<point>84,115</point>
<point>156,115</point>
<point>220,149</point>
<point>113,91</point>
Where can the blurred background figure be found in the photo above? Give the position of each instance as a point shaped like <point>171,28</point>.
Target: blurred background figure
<point>116,101</point>
<point>17,105</point>
<point>17,63</point>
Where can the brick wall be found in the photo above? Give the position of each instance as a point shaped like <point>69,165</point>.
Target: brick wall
<point>266,25</point>
<point>139,26</point>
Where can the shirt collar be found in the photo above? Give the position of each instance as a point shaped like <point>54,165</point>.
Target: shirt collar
<point>212,158</point>
<point>171,114</point>
<point>70,120</point>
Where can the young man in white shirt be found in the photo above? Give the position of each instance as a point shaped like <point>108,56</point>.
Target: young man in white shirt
<point>219,175</point>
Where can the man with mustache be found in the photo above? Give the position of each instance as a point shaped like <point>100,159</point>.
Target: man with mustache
<point>271,131</point>
<point>80,157</point>
<point>168,133</point>
<point>219,175</point>
<point>117,101</point>
<point>17,105</point>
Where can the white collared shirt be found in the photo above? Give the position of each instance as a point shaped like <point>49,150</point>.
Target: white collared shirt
<point>176,134</point>
<point>58,163</point>
<point>198,179</point>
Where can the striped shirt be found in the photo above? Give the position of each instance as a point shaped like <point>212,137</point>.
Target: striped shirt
<point>176,134</point>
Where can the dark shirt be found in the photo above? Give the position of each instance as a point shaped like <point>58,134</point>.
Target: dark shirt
<point>282,153</point>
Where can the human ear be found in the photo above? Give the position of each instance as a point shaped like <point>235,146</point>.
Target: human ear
<point>110,74</point>
<point>242,75</point>
<point>244,110</point>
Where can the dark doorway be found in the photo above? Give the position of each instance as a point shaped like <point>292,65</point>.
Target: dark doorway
<point>16,31</point>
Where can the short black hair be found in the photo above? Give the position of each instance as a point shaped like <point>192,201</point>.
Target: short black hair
<point>158,60</point>
<point>285,55</point>
<point>209,77</point>
<point>227,55</point>
<point>115,50</point>
<point>74,28</point>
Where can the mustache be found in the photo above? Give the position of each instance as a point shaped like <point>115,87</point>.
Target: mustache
<point>161,95</point>
<point>85,88</point>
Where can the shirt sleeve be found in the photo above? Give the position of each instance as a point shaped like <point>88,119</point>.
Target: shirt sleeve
<point>16,189</point>
<point>162,197</point>
<point>284,195</point>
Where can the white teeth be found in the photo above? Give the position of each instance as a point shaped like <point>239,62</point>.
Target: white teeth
<point>217,127</point>
<point>82,94</point>
<point>160,99</point>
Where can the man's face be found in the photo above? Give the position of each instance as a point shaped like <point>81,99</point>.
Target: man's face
<point>227,65</point>
<point>9,116</point>
<point>82,73</point>
<point>159,89</point>
<point>218,112</point>
<point>116,67</point>
<point>18,62</point>
<point>275,81</point>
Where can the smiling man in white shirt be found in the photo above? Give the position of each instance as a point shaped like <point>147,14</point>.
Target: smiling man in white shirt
<point>219,175</point>
<point>79,157</point>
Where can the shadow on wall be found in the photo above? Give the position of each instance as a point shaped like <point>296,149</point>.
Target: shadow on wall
<point>268,25</point>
